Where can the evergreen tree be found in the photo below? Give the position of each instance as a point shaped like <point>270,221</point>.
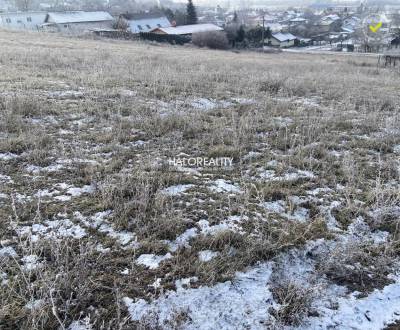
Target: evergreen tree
<point>235,17</point>
<point>241,33</point>
<point>191,15</point>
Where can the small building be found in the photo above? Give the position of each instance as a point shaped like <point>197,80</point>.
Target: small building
<point>145,22</point>
<point>297,21</point>
<point>187,29</point>
<point>22,20</point>
<point>282,40</point>
<point>77,21</point>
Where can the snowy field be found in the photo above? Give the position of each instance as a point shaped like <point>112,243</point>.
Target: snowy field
<point>99,229</point>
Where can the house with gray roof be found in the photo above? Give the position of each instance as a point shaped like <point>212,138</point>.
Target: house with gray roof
<point>281,40</point>
<point>78,21</point>
<point>145,22</point>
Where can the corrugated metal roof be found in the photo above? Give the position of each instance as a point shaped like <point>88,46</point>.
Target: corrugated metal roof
<point>283,36</point>
<point>78,17</point>
<point>190,29</point>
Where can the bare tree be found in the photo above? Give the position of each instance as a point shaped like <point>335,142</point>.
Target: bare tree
<point>23,5</point>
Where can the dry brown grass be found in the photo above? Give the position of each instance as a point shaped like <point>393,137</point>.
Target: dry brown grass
<point>111,113</point>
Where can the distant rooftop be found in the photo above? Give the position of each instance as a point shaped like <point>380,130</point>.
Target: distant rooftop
<point>190,29</point>
<point>78,16</point>
<point>284,36</point>
<point>143,15</point>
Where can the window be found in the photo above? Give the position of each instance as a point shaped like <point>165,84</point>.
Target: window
<point>148,26</point>
<point>29,19</point>
<point>159,25</point>
<point>19,21</point>
<point>66,26</point>
<point>140,27</point>
<point>8,20</point>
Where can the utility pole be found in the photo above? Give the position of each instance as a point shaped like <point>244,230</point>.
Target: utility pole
<point>263,30</point>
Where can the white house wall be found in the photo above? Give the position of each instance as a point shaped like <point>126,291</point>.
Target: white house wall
<point>22,21</point>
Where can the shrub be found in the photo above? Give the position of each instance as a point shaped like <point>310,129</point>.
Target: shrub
<point>213,40</point>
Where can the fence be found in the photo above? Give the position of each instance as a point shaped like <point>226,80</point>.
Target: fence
<point>172,39</point>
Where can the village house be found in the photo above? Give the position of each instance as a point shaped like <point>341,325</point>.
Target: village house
<point>22,20</point>
<point>187,29</point>
<point>145,22</point>
<point>77,21</point>
<point>282,40</point>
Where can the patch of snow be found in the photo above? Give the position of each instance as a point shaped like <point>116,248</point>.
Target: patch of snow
<point>183,239</point>
<point>231,223</point>
<point>270,175</point>
<point>282,121</point>
<point>177,190</point>
<point>30,262</point>
<point>318,191</point>
<point>45,193</point>
<point>376,311</point>
<point>221,186</point>
<point>125,271</point>
<point>50,229</point>
<point>98,221</point>
<point>275,207</point>
<point>8,156</point>
<point>279,207</point>
<point>35,304</point>
<point>76,192</point>
<point>243,101</point>
<point>359,230</point>
<point>81,325</point>
<point>63,198</point>
<point>8,251</point>
<point>156,284</point>
<point>207,255</point>
<point>184,283</point>
<point>209,104</point>
<point>331,222</point>
<point>152,261</point>
<point>6,179</point>
<point>241,304</point>
<point>396,149</point>
<point>49,169</point>
<point>64,95</point>
<point>252,155</point>
<point>127,93</point>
